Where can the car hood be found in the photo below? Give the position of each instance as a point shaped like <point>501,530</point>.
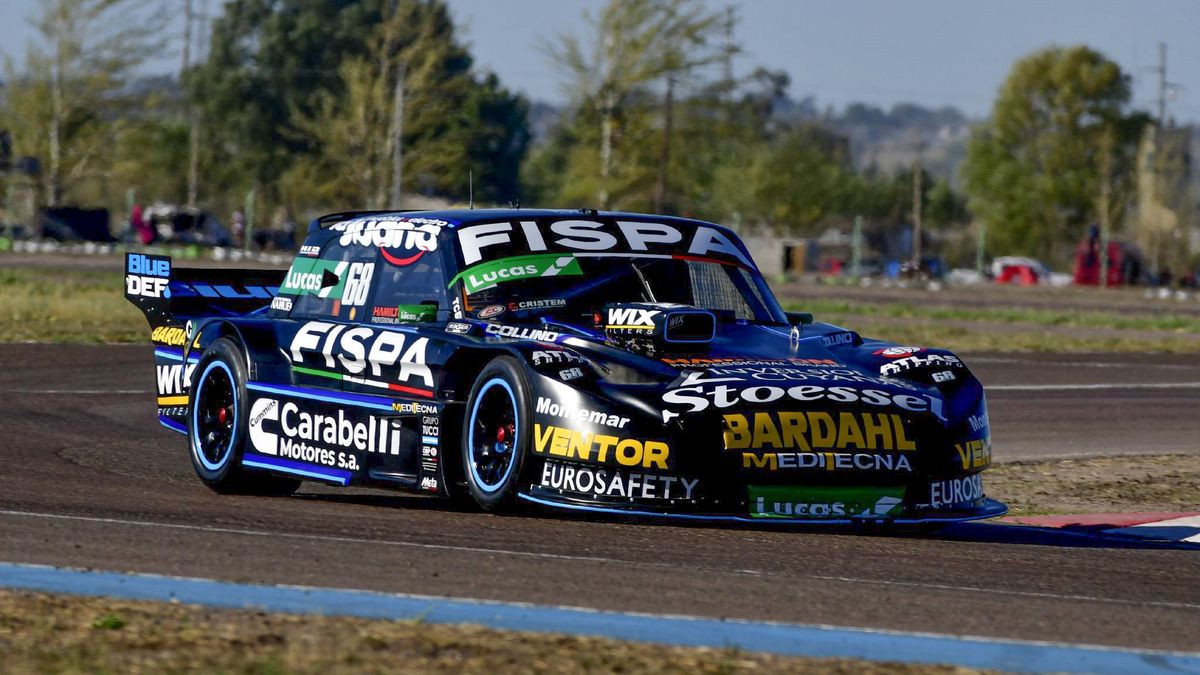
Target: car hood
<point>754,366</point>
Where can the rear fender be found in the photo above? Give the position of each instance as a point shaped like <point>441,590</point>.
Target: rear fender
<point>265,361</point>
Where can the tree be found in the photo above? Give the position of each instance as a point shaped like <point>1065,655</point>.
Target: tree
<point>268,59</point>
<point>299,95</point>
<point>1032,171</point>
<point>944,207</point>
<point>67,105</point>
<point>635,44</point>
<point>791,180</point>
<point>496,140</point>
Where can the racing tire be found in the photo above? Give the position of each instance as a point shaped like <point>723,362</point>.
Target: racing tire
<point>496,434</point>
<point>217,425</point>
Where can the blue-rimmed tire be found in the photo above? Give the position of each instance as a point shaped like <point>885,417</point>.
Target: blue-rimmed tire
<point>496,434</point>
<point>217,408</point>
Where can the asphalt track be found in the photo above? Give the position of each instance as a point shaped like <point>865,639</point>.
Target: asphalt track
<point>90,480</point>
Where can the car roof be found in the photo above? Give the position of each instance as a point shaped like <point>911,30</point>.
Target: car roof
<point>458,217</point>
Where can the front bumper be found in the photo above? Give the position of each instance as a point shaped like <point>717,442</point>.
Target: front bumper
<point>990,508</point>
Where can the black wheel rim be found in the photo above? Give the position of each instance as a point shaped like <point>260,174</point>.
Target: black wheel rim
<point>214,415</point>
<point>493,435</point>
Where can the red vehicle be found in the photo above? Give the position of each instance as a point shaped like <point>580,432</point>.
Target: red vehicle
<point>1087,263</point>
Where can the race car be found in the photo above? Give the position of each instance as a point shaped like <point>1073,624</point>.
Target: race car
<point>576,359</point>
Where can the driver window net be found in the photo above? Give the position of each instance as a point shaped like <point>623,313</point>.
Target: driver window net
<point>713,289</point>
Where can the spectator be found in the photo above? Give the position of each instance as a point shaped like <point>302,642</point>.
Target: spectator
<point>137,222</point>
<point>238,224</point>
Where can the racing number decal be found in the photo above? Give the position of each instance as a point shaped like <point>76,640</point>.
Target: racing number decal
<point>358,284</point>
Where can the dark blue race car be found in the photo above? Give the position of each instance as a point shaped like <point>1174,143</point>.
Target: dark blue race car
<point>584,360</point>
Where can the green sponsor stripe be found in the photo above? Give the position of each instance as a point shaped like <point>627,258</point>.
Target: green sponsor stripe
<point>416,312</point>
<point>301,266</point>
<point>787,501</point>
<point>488,274</point>
<point>318,373</point>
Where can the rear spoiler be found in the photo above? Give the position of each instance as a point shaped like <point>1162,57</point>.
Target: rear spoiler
<point>172,296</point>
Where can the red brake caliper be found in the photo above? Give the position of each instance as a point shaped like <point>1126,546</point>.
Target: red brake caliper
<point>505,432</point>
<point>221,415</point>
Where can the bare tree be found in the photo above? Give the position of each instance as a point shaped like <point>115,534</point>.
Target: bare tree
<point>75,73</point>
<point>635,43</point>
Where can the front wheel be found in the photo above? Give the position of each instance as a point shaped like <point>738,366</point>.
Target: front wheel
<point>496,434</point>
<point>217,425</point>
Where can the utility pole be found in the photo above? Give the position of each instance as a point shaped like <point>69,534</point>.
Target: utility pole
<point>918,170</point>
<point>1162,85</point>
<point>193,170</point>
<point>664,158</point>
<point>607,123</point>
<point>187,37</point>
<point>397,141</point>
<point>727,60</point>
<point>856,248</point>
<point>1165,166</point>
<point>248,210</point>
<point>980,241</point>
<point>57,109</point>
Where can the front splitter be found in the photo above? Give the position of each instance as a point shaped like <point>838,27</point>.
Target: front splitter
<point>990,509</point>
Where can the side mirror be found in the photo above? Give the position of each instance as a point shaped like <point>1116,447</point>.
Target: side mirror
<point>799,318</point>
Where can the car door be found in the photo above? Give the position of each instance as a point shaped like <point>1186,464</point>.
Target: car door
<point>403,319</point>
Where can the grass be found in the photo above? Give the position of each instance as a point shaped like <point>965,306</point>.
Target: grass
<point>75,305</point>
<point>109,622</point>
<point>42,304</point>
<point>1010,328</point>
<point>1009,315</point>
<point>997,338</point>
<point>43,633</point>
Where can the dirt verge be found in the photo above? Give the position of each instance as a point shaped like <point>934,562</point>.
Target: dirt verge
<point>1098,485</point>
<point>46,633</point>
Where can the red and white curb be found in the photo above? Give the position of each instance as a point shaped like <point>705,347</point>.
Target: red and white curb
<point>1180,527</point>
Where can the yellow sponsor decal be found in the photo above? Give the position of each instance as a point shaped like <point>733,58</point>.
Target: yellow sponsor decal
<point>173,400</point>
<point>809,431</point>
<point>975,454</point>
<point>600,448</point>
<point>171,336</point>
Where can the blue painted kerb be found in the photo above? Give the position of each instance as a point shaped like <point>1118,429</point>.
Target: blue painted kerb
<point>778,638</point>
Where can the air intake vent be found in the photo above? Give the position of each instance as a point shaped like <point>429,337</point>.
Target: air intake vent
<point>689,325</point>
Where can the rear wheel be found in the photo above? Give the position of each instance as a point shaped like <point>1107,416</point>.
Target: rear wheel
<point>217,425</point>
<point>496,434</point>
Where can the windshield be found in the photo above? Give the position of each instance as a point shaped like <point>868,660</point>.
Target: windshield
<point>586,284</point>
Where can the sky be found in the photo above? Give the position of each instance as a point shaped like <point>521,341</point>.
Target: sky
<point>932,52</point>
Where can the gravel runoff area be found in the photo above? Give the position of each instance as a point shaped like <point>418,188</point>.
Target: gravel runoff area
<point>1149,483</point>
<point>43,633</point>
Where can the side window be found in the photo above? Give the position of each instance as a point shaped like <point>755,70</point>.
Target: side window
<point>335,285</point>
<point>409,293</point>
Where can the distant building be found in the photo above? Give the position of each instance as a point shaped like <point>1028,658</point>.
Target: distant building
<point>780,255</point>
